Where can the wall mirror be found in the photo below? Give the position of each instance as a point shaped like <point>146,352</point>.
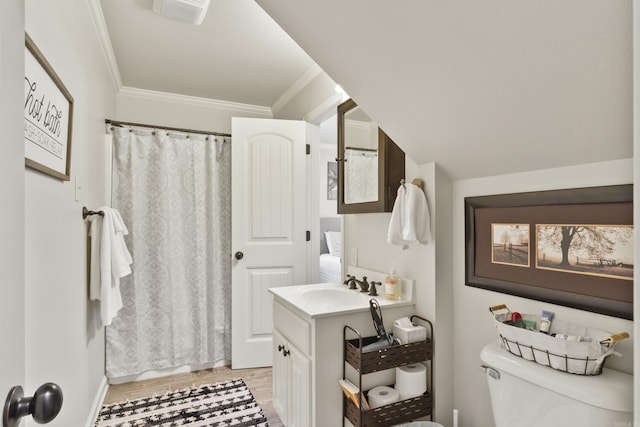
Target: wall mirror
<point>370,164</point>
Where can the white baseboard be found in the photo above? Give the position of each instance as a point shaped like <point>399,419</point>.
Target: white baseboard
<point>97,402</point>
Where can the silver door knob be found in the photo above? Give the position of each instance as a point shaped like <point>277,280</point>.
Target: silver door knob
<point>44,406</point>
<point>238,255</point>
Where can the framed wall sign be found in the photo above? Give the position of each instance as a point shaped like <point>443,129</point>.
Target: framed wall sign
<point>569,247</point>
<point>48,116</point>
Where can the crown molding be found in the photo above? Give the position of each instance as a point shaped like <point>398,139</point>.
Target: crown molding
<point>195,101</point>
<point>296,87</point>
<point>105,42</point>
<point>326,109</point>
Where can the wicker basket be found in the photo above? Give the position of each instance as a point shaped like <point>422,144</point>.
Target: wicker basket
<point>380,360</point>
<point>582,358</point>
<point>388,357</point>
<point>388,415</point>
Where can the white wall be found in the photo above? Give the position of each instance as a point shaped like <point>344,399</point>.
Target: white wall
<point>427,264</point>
<point>64,343</point>
<point>472,323</point>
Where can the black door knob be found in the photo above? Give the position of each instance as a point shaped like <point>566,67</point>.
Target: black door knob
<point>44,406</point>
<point>238,255</point>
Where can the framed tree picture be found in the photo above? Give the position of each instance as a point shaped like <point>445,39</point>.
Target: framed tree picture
<point>48,116</point>
<point>570,247</point>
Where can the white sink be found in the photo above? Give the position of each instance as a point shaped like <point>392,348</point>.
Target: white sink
<point>329,299</point>
<point>338,297</point>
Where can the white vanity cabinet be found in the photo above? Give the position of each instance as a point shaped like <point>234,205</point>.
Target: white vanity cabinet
<point>308,349</point>
<point>291,369</point>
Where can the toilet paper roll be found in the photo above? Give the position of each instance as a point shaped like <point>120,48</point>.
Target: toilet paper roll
<point>369,381</point>
<point>411,380</point>
<point>382,395</point>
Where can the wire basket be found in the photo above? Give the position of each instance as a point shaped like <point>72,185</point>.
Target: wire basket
<point>575,357</point>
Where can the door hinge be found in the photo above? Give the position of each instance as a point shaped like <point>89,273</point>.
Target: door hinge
<point>308,149</point>
<point>308,236</point>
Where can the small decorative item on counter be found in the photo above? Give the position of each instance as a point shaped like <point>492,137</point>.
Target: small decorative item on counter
<point>392,285</point>
<point>545,321</point>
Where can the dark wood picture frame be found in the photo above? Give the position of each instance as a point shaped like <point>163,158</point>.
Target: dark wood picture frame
<point>607,205</point>
<point>48,114</point>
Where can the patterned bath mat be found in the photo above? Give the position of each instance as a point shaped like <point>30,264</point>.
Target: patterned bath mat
<point>212,405</point>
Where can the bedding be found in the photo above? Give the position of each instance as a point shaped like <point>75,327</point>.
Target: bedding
<point>330,268</point>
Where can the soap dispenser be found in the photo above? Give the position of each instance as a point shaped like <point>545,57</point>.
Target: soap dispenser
<point>392,285</point>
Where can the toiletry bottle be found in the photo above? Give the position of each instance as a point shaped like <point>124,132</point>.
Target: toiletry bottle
<point>545,321</point>
<point>392,285</point>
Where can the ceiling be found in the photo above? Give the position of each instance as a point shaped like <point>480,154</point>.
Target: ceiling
<point>481,88</point>
<point>238,54</point>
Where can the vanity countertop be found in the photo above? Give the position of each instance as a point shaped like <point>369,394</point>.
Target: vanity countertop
<point>331,299</point>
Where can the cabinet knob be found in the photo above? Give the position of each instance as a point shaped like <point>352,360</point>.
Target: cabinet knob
<point>280,347</point>
<point>286,353</point>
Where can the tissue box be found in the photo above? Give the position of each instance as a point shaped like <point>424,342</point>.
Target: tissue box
<point>408,334</point>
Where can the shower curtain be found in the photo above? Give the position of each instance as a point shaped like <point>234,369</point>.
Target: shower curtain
<point>173,192</point>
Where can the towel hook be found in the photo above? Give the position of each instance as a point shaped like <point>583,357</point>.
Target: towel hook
<point>417,182</point>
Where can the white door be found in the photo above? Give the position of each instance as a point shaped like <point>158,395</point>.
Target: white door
<point>268,228</point>
<point>12,288</point>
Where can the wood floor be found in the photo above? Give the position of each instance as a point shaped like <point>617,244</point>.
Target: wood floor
<point>258,380</point>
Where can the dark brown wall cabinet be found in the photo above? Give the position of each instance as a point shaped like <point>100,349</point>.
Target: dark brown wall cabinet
<point>370,164</point>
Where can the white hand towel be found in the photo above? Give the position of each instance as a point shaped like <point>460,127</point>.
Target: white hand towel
<point>410,221</point>
<point>110,261</point>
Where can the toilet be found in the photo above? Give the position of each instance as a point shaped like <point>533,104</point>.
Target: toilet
<point>526,394</point>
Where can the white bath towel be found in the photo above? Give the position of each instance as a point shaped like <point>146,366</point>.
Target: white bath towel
<point>410,221</point>
<point>110,261</point>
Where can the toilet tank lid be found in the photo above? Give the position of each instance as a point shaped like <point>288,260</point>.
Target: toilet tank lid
<point>612,390</point>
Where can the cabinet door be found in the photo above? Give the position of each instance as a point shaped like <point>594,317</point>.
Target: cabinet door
<point>280,378</point>
<point>370,164</point>
<point>299,388</point>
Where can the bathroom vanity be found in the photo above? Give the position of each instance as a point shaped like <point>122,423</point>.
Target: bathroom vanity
<point>308,332</point>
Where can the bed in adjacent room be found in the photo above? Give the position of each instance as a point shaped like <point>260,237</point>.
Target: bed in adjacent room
<point>330,250</point>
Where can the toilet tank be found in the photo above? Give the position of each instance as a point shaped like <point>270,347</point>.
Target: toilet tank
<point>526,394</point>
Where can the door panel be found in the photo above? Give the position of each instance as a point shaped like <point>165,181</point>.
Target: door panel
<point>299,393</point>
<point>260,280</point>
<point>268,227</point>
<point>12,187</point>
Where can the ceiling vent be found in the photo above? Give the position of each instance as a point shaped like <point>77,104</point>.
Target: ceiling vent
<point>191,11</point>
